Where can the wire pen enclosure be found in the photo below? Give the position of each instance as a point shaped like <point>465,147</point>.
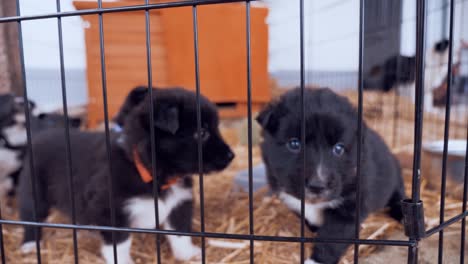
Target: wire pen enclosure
<point>221,53</point>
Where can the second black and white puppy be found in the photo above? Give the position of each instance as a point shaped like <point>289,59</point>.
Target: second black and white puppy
<point>13,137</point>
<point>176,137</point>
<point>330,172</point>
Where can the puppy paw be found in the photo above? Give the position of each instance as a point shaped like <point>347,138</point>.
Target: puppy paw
<point>120,260</point>
<point>310,261</point>
<point>183,248</point>
<point>126,261</point>
<point>6,186</point>
<point>28,247</point>
<point>190,252</point>
<point>123,252</point>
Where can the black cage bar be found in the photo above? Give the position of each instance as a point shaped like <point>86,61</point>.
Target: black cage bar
<point>411,243</point>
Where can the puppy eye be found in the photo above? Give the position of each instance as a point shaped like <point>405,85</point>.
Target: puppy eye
<point>338,149</point>
<point>203,134</point>
<point>294,145</point>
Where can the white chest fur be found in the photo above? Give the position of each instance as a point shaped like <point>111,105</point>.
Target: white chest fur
<point>313,211</point>
<point>141,209</point>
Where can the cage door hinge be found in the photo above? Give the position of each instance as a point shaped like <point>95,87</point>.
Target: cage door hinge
<point>413,219</point>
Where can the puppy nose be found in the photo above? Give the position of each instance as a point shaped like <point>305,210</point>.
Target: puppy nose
<point>316,186</point>
<point>230,155</point>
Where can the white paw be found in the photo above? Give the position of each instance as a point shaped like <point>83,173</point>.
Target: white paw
<point>183,248</point>
<point>6,185</point>
<point>191,252</point>
<point>28,247</point>
<point>125,261</point>
<point>123,252</point>
<point>310,261</point>
<point>120,260</point>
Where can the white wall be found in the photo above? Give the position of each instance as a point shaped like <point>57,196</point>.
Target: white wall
<point>332,28</point>
<point>41,36</point>
<point>41,50</point>
<point>331,37</point>
<point>434,21</point>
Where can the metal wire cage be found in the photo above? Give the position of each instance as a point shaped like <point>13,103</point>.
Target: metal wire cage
<point>414,224</point>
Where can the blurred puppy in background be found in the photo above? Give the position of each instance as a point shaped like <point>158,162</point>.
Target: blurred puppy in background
<point>13,136</point>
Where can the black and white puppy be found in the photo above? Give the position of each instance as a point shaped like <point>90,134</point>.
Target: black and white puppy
<point>330,172</point>
<point>176,154</point>
<point>13,137</point>
<point>12,119</point>
<point>9,160</point>
<point>395,70</point>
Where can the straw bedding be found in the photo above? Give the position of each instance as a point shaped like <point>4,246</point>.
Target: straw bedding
<point>226,211</point>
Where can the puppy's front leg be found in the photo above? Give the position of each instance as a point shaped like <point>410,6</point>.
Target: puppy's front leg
<point>123,240</point>
<point>123,244</point>
<point>334,226</point>
<point>180,219</point>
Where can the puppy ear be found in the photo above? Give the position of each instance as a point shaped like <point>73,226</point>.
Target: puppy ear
<point>263,116</point>
<point>133,99</point>
<point>42,116</point>
<point>137,95</point>
<point>268,118</point>
<point>75,122</point>
<point>166,118</point>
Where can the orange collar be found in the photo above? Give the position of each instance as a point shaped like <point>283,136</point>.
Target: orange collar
<point>146,176</point>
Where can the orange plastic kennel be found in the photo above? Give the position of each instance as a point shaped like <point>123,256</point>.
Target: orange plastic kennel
<point>222,54</point>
